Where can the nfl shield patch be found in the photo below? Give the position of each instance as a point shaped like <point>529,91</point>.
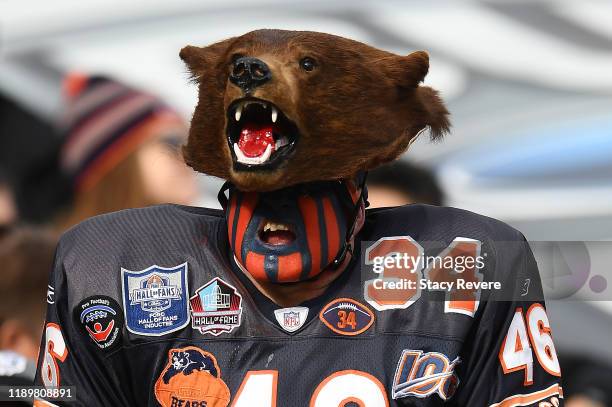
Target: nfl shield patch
<point>155,300</point>
<point>216,307</point>
<point>291,319</point>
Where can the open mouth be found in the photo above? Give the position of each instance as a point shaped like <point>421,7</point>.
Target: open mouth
<point>276,233</point>
<point>259,134</point>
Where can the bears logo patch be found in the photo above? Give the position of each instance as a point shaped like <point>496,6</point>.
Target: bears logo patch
<point>191,378</point>
<point>155,299</point>
<point>346,316</point>
<point>216,307</point>
<point>101,319</point>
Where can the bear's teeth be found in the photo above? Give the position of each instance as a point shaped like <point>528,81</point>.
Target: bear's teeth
<point>252,160</point>
<point>282,141</point>
<point>238,112</point>
<point>274,114</point>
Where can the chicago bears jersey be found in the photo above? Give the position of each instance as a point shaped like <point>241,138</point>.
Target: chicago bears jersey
<point>149,309</point>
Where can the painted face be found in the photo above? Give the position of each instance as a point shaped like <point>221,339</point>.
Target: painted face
<point>291,234</point>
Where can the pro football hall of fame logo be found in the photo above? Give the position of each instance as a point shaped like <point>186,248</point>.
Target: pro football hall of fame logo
<point>216,307</point>
<point>155,299</point>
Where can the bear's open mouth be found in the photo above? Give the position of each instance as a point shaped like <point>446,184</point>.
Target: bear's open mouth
<point>259,134</point>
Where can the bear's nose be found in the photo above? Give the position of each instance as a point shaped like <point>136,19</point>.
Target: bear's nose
<point>249,73</point>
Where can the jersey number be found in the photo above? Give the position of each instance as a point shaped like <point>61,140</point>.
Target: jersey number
<point>347,319</point>
<point>55,349</point>
<point>260,387</point>
<point>516,351</point>
<point>462,301</point>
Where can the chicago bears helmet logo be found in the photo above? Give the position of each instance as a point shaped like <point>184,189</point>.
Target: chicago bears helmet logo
<point>191,378</point>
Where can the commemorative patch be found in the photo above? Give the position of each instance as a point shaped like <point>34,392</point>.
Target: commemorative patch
<point>101,318</point>
<point>346,316</point>
<point>216,307</point>
<point>291,319</point>
<point>420,374</point>
<point>155,300</point>
<point>191,378</point>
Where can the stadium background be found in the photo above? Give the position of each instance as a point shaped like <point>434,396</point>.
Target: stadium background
<point>528,83</point>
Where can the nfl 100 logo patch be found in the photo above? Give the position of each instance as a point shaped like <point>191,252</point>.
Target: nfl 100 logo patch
<point>155,299</point>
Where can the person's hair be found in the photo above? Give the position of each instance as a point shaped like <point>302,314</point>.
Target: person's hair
<point>26,255</point>
<point>418,183</point>
<point>121,188</point>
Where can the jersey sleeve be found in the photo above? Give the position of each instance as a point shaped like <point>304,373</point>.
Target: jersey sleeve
<point>510,357</point>
<point>65,358</point>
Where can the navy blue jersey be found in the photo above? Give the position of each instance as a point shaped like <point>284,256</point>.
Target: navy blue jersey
<point>150,309</point>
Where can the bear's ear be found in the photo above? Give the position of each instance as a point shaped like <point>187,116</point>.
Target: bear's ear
<point>199,59</point>
<point>436,114</point>
<point>409,70</point>
<point>194,58</point>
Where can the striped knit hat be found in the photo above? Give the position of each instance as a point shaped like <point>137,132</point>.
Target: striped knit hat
<point>105,121</point>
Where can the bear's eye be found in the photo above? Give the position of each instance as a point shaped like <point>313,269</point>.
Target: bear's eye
<point>308,64</point>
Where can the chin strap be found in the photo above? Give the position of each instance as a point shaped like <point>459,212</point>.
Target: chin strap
<point>347,247</point>
<point>223,201</point>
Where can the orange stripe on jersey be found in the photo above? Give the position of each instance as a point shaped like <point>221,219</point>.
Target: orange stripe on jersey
<point>331,225</point>
<point>291,261</point>
<point>308,208</point>
<point>530,398</point>
<point>249,200</point>
<point>255,265</point>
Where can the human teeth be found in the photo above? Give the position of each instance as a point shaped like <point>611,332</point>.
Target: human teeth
<point>274,114</point>
<point>252,160</point>
<point>238,113</point>
<point>273,227</point>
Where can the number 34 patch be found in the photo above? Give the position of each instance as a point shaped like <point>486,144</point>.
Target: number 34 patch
<point>346,316</point>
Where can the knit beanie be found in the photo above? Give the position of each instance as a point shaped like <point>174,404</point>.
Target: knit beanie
<point>105,121</point>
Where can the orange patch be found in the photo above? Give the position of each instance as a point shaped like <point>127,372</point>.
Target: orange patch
<point>191,377</point>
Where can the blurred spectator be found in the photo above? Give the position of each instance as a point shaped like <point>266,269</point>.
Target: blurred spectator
<point>8,211</point>
<point>26,255</point>
<point>586,382</point>
<point>28,158</point>
<point>401,183</point>
<point>120,150</point>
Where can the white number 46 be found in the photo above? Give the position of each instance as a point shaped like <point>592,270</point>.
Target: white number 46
<point>532,330</point>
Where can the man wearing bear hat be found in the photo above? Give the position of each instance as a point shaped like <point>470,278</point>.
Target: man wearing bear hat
<point>294,294</point>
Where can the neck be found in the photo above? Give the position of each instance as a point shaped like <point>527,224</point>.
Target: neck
<point>292,294</point>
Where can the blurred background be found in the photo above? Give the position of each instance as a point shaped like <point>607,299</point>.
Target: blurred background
<point>528,83</point>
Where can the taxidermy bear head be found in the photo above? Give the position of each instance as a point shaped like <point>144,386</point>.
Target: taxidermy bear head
<point>278,108</point>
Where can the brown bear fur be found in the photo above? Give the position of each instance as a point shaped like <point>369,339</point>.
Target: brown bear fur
<point>359,108</point>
